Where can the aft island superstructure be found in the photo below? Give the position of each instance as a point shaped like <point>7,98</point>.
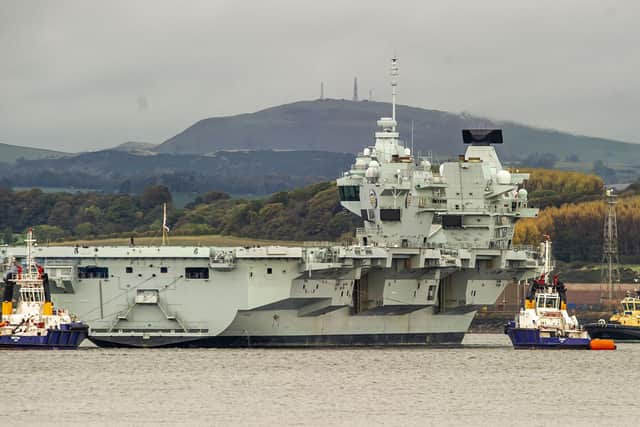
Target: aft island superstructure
<point>435,246</point>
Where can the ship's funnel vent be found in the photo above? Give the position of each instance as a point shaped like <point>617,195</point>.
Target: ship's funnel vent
<point>482,136</point>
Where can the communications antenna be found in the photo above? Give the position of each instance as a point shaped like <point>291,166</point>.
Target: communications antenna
<point>412,139</point>
<point>610,262</point>
<point>394,83</point>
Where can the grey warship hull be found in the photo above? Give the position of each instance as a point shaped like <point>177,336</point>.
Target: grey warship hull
<point>435,246</point>
<point>284,341</point>
<point>276,296</point>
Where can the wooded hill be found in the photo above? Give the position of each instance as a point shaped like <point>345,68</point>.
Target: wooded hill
<point>297,144</point>
<point>309,213</point>
<point>235,172</point>
<point>550,187</point>
<point>576,230</point>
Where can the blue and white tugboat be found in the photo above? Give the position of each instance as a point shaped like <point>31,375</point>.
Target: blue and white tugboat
<point>34,323</point>
<point>543,322</point>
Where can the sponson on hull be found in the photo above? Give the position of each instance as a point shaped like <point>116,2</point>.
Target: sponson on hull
<point>435,246</point>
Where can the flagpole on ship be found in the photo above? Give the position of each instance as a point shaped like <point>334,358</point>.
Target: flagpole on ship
<point>165,228</point>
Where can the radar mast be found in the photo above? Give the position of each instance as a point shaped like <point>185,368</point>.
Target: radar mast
<point>394,84</point>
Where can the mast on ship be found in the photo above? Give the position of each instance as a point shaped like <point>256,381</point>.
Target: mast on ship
<point>165,227</point>
<point>31,271</point>
<point>34,293</point>
<point>394,83</point>
<point>547,259</point>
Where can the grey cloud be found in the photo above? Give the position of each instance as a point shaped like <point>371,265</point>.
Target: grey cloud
<point>80,75</point>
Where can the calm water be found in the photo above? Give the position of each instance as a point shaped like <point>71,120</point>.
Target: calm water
<point>484,383</point>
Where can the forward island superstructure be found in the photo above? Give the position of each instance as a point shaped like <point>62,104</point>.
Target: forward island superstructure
<point>435,246</point>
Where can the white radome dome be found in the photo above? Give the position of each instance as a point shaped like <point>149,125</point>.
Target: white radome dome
<point>426,164</point>
<point>522,193</point>
<point>407,152</point>
<point>503,177</point>
<point>367,152</point>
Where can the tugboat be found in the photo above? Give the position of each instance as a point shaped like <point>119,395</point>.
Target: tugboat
<point>624,326</point>
<point>543,322</point>
<point>35,323</point>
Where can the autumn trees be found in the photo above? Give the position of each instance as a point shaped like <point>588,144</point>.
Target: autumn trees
<point>572,213</point>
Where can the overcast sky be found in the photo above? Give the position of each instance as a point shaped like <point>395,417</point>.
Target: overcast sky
<point>81,75</point>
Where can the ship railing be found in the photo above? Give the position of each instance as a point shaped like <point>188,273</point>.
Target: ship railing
<point>60,262</point>
<point>325,255</point>
<point>523,247</point>
<point>222,260</point>
<point>319,243</point>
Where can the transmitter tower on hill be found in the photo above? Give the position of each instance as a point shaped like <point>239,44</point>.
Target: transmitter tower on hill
<point>355,90</point>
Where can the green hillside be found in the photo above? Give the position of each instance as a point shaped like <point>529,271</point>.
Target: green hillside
<point>11,153</point>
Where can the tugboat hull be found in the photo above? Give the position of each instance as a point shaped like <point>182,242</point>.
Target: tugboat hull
<point>69,337</point>
<point>614,331</point>
<point>525,338</point>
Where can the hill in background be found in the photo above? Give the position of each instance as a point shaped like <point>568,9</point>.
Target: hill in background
<point>11,153</point>
<point>236,172</point>
<point>135,147</point>
<point>346,127</point>
<point>296,144</point>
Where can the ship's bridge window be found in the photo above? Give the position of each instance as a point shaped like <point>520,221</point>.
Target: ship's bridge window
<point>196,273</point>
<point>93,272</point>
<point>547,301</point>
<point>349,193</point>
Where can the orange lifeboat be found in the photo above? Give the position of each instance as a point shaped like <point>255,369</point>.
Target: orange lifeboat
<point>602,344</point>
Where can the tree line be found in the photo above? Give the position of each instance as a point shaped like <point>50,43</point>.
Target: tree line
<point>308,213</point>
<point>551,187</point>
<point>577,229</point>
<point>56,216</point>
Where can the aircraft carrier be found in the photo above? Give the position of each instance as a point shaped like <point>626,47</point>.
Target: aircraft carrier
<point>436,245</point>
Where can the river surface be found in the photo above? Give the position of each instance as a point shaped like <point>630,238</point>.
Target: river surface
<point>485,382</point>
